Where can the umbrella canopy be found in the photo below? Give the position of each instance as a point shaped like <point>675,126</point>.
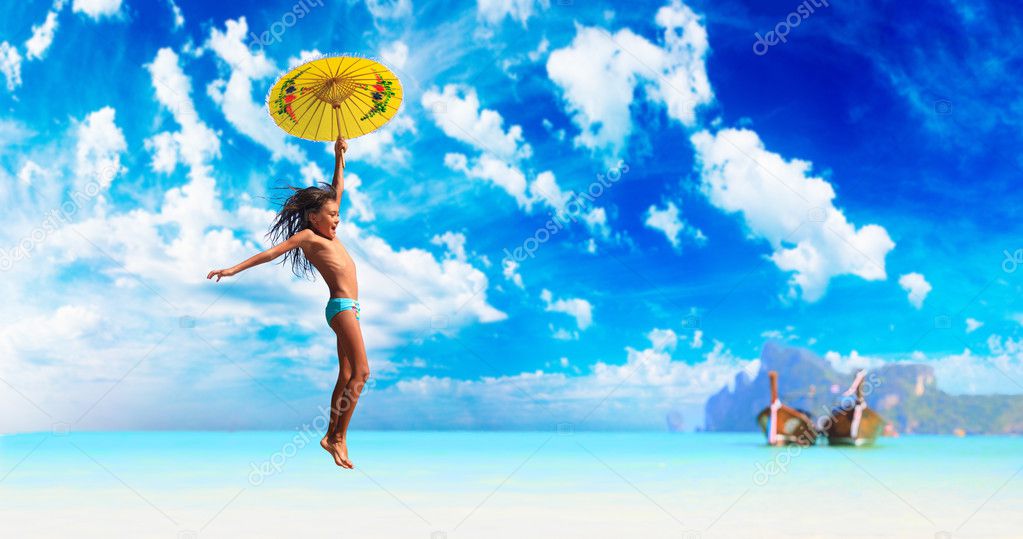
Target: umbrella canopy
<point>334,96</point>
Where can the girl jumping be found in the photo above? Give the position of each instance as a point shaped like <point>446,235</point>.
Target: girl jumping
<point>304,232</point>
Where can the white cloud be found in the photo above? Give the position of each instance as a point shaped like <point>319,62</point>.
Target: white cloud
<point>684,85</point>
<point>96,8</point>
<point>42,37</point>
<point>578,308</point>
<point>972,324</point>
<point>852,362</point>
<point>312,174</point>
<point>179,18</point>
<point>540,50</point>
<point>383,10</point>
<point>666,220</point>
<point>195,143</point>
<point>99,148</point>
<point>558,134</point>
<point>510,270</point>
<point>164,152</point>
<point>563,334</point>
<point>395,54</point>
<point>671,224</point>
<point>454,242</point>
<point>493,11</point>
<point>596,221</point>
<point>545,188</point>
<point>456,110</point>
<point>360,206</point>
<point>697,341</point>
<point>663,339</point>
<point>10,65</point>
<point>303,57</point>
<point>500,173</point>
<point>782,203</point>
<point>917,286</point>
<point>234,96</point>
<point>599,72</point>
<point>30,172</point>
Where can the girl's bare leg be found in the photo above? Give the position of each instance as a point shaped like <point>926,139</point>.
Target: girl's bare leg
<point>344,373</point>
<point>350,334</point>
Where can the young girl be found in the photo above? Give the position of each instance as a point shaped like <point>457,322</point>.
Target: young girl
<point>304,232</point>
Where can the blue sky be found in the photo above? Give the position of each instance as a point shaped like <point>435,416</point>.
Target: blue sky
<point>849,190</point>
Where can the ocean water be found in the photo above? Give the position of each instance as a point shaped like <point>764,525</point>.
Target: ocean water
<point>436,485</point>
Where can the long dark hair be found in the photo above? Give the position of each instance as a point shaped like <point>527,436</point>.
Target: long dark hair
<point>293,217</point>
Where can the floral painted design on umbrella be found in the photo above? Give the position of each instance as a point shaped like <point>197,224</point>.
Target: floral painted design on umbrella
<point>287,95</point>
<point>381,95</point>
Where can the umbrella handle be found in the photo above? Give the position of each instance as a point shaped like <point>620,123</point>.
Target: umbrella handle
<point>337,116</point>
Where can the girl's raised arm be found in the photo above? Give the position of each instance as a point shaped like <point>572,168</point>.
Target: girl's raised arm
<point>266,256</point>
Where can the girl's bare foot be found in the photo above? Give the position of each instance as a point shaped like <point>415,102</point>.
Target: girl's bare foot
<point>341,452</point>
<point>329,447</point>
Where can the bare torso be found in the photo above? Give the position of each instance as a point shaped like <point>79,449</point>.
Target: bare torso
<point>335,265</point>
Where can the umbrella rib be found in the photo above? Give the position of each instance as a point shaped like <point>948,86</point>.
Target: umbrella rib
<point>307,112</point>
<point>312,64</point>
<point>382,71</point>
<point>347,106</point>
<point>341,62</point>
<point>353,64</point>
<point>319,123</point>
<point>351,75</point>
<point>344,124</point>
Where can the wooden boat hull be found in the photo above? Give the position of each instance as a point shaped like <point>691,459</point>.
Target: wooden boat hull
<point>840,430</point>
<point>794,427</point>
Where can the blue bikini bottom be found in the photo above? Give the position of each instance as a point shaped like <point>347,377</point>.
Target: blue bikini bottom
<point>336,305</point>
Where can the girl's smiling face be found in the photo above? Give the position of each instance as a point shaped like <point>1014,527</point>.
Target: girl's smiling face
<point>325,220</point>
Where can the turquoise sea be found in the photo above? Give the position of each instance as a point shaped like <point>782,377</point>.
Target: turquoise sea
<point>505,484</point>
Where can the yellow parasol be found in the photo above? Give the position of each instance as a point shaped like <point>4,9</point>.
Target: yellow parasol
<point>345,96</point>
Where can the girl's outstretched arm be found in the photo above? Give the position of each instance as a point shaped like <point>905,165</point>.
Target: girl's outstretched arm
<point>277,250</point>
<point>340,147</point>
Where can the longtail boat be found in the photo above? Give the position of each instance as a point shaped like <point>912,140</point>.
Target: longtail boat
<point>853,422</point>
<point>782,424</point>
